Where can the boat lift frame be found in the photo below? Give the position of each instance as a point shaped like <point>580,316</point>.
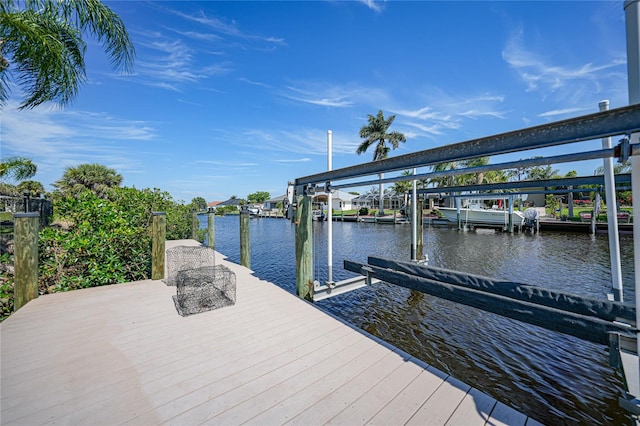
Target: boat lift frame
<point>621,122</point>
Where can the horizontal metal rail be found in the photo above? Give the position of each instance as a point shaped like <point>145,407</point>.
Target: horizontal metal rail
<point>543,183</point>
<point>619,121</point>
<point>529,162</point>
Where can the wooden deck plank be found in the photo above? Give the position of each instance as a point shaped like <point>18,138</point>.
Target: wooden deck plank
<point>475,408</point>
<point>291,407</point>
<point>337,400</point>
<point>359,412</point>
<point>324,347</point>
<point>410,399</point>
<point>441,404</point>
<point>173,373</point>
<point>503,415</point>
<point>121,354</point>
<point>250,408</point>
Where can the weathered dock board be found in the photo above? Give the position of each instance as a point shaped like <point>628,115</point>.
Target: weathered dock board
<point>122,355</point>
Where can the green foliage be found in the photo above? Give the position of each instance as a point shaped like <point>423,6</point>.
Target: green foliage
<point>227,210</point>
<point>43,46</point>
<point>199,203</point>
<point>34,187</point>
<point>376,132</point>
<point>17,168</point>
<point>364,211</point>
<point>6,288</point>
<point>258,197</point>
<point>108,240</point>
<point>95,177</point>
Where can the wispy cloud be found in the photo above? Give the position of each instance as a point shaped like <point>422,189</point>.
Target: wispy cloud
<point>566,80</point>
<point>232,164</point>
<point>447,112</point>
<point>335,95</point>
<point>565,111</point>
<point>56,139</point>
<point>301,141</point>
<point>373,5</point>
<point>168,64</point>
<point>338,101</point>
<point>225,27</point>
<point>254,83</point>
<point>295,160</point>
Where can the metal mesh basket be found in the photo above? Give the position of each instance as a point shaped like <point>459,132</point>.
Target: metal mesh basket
<point>181,258</point>
<point>204,289</point>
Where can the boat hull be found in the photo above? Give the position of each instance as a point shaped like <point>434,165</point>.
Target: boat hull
<point>482,216</point>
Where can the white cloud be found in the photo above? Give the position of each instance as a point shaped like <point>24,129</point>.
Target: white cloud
<point>573,82</point>
<point>565,111</point>
<point>373,5</point>
<point>295,160</point>
<point>56,139</point>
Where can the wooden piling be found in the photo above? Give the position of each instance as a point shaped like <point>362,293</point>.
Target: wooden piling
<point>245,241</point>
<point>194,225</point>
<point>158,237</point>
<point>304,248</point>
<point>211,242</point>
<point>25,258</point>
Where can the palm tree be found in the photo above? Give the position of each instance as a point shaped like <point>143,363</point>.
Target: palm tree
<point>93,177</point>
<point>376,133</point>
<point>42,45</point>
<point>17,168</point>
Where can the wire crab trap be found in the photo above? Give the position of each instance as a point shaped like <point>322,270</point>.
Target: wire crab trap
<point>204,289</point>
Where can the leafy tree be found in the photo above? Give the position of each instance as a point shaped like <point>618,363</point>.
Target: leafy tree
<point>34,187</point>
<point>17,168</point>
<point>617,168</point>
<point>468,178</point>
<point>42,50</point>
<point>94,177</point>
<point>258,197</point>
<point>199,203</point>
<point>376,132</point>
<point>403,186</point>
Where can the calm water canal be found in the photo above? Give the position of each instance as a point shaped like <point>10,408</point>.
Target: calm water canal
<point>554,378</point>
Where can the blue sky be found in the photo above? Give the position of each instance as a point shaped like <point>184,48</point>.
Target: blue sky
<point>229,98</point>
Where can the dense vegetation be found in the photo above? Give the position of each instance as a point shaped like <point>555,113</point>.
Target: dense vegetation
<point>100,241</point>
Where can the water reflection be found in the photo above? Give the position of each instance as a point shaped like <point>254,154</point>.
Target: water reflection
<point>552,377</point>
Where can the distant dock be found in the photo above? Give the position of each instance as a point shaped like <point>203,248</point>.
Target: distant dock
<point>121,354</point>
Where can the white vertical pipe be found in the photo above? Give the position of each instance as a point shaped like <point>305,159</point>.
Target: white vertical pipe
<point>414,218</point>
<point>632,18</point>
<point>329,213</point>
<point>612,218</point>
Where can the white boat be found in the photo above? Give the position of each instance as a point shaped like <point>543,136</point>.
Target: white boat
<point>318,215</point>
<point>478,215</point>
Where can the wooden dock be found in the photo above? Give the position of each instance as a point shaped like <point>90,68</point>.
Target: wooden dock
<point>121,354</point>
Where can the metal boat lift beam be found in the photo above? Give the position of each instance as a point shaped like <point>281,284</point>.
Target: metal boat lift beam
<point>623,178</point>
<point>529,162</point>
<point>619,121</point>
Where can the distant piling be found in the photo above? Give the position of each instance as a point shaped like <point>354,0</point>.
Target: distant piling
<point>158,237</point>
<point>245,240</point>
<point>194,225</point>
<point>211,217</point>
<point>25,258</point>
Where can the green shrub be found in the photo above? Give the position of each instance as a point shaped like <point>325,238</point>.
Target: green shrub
<point>363,211</point>
<point>108,240</point>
